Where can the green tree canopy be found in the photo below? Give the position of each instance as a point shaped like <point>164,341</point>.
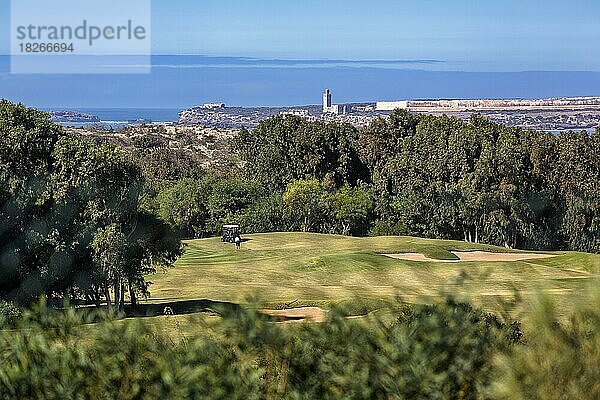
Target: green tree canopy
<point>58,193</point>
<point>283,149</point>
<point>307,202</point>
<point>185,206</point>
<point>351,207</point>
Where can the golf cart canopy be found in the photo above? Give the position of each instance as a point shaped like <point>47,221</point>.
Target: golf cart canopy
<point>230,232</point>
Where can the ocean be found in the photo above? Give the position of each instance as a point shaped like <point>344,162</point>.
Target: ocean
<point>125,115</point>
<point>181,82</point>
<point>120,117</point>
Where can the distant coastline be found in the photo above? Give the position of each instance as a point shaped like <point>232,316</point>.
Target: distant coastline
<point>115,118</point>
<point>555,120</point>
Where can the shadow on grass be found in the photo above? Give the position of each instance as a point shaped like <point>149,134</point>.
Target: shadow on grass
<point>181,308</point>
<point>224,309</point>
<point>244,240</point>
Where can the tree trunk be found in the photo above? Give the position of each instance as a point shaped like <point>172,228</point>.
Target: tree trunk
<point>122,297</point>
<point>346,229</point>
<point>132,295</point>
<point>97,296</point>
<point>107,295</point>
<point>117,295</point>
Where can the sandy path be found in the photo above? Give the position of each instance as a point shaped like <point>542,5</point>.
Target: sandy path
<point>473,256</point>
<point>414,257</point>
<point>486,256</point>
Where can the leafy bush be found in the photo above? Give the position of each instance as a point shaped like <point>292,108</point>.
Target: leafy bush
<point>228,200</point>
<point>422,353</point>
<point>53,356</point>
<point>9,313</point>
<point>445,351</point>
<point>184,205</point>
<point>387,228</point>
<point>561,359</point>
<point>266,215</point>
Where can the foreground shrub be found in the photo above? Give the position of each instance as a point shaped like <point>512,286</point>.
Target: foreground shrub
<point>423,352</point>
<point>426,352</point>
<point>54,355</point>
<point>446,351</point>
<point>9,313</point>
<point>561,359</point>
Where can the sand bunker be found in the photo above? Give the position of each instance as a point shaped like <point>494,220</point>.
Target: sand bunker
<point>472,256</point>
<point>311,314</point>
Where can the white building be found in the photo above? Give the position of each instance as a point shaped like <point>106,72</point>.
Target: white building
<point>363,108</point>
<point>299,112</point>
<point>329,108</point>
<point>391,105</point>
<point>212,106</point>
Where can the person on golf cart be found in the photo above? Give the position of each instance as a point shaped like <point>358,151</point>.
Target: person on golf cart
<point>238,241</point>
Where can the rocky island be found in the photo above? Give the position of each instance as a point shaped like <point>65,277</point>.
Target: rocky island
<point>73,117</point>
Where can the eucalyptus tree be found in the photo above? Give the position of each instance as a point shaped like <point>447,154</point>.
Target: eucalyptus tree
<point>61,193</point>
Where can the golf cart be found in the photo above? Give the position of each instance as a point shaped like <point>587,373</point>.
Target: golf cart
<point>230,232</point>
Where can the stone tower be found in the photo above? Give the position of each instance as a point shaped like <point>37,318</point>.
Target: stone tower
<point>326,101</point>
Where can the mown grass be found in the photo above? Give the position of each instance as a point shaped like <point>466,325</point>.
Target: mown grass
<point>312,269</point>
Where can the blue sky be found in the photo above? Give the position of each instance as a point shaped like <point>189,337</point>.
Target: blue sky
<point>508,35</point>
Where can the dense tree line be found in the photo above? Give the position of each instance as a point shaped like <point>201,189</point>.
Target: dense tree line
<point>199,208</point>
<point>283,149</point>
<point>421,175</point>
<point>430,176</point>
<point>479,181</point>
<point>285,162</point>
<point>72,223</point>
